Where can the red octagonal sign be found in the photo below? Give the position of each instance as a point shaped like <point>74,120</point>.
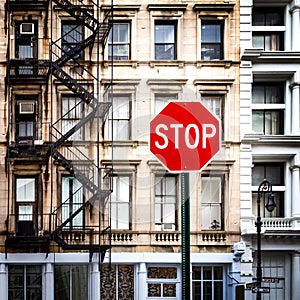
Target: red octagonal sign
<point>185,136</point>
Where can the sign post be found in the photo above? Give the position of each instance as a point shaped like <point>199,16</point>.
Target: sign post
<point>185,136</point>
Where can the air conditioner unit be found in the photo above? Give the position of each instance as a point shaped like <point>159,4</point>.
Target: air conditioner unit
<point>26,107</point>
<point>168,227</point>
<point>27,28</point>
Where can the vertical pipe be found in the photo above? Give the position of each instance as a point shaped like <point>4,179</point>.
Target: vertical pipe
<point>185,235</point>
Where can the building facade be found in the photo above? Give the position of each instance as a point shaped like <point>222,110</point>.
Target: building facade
<point>86,211</point>
<point>270,142</point>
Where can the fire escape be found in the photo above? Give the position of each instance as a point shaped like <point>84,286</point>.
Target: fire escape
<point>94,183</point>
<point>79,221</point>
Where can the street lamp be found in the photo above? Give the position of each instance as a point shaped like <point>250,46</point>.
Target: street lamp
<point>264,188</point>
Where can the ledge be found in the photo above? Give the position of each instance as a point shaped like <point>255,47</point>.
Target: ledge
<point>259,55</point>
<point>167,7</point>
<point>270,139</point>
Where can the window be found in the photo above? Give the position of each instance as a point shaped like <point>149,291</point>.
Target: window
<point>166,202</point>
<point>270,39</point>
<point>275,265</point>
<point>26,43</point>
<point>25,205</point>
<point>211,40</point>
<point>120,124</point>
<point>117,282</point>
<point>274,172</point>
<point>268,108</point>
<point>165,41</point>
<point>121,202</point>
<point>162,282</point>
<point>26,123</point>
<point>24,282</point>
<point>72,36</point>
<point>119,42</point>
<point>70,282</point>
<point>72,200</point>
<point>212,202</point>
<point>208,282</point>
<point>216,105</point>
<point>162,99</point>
<point>72,112</point>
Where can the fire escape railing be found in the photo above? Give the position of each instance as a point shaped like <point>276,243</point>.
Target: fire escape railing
<point>64,150</point>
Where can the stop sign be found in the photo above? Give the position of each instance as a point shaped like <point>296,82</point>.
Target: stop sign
<point>185,136</point>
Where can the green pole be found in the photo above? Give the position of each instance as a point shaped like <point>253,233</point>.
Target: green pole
<point>185,235</point>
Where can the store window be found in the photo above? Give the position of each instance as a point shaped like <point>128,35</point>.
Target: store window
<point>117,282</point>
<point>208,283</point>
<point>268,107</point>
<point>211,40</point>
<point>24,282</point>
<point>270,38</point>
<point>162,282</point>
<point>273,172</point>
<point>166,202</point>
<point>165,40</point>
<point>70,282</point>
<point>119,42</point>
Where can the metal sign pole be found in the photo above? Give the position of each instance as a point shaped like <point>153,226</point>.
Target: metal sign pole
<point>185,236</point>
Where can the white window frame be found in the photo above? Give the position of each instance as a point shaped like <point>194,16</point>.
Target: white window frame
<point>119,199</point>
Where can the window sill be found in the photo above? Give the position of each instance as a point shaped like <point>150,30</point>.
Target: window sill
<point>126,143</point>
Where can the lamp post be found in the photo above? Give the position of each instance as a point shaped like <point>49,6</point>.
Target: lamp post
<point>264,188</point>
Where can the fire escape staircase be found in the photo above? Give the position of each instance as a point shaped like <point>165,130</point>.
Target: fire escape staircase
<point>95,181</point>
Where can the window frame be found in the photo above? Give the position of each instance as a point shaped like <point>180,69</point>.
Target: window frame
<point>266,108</point>
<point>219,224</point>
<point>72,116</point>
<point>30,40</point>
<point>68,203</point>
<point>162,224</point>
<point>163,99</point>
<point>174,24</point>
<point>206,99</point>
<point>278,189</point>
<point>205,22</point>
<point>116,188</point>
<point>163,281</point>
<point>70,286</point>
<point>212,280</point>
<point>26,285</point>
<point>75,25</point>
<point>126,120</point>
<point>113,44</point>
<point>24,225</point>
<point>272,35</point>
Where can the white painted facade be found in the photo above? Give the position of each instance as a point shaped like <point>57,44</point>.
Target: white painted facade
<point>265,68</point>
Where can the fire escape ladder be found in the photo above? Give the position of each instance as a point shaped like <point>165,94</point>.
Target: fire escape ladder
<point>70,153</point>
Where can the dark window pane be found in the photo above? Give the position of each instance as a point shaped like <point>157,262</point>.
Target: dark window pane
<point>207,290</point>
<point>211,40</point>
<point>62,282</point>
<point>79,282</point>
<point>218,273</point>
<point>165,40</point>
<point>196,290</point>
<point>197,273</point>
<point>267,16</point>
<point>218,290</point>
<point>207,273</point>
